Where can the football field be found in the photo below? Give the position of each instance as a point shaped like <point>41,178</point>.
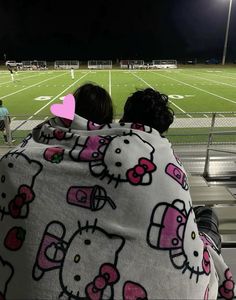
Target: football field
<point>189,89</point>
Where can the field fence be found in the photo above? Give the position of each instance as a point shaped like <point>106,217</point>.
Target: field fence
<point>188,128</point>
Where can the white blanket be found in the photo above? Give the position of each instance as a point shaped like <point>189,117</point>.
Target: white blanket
<point>102,212</point>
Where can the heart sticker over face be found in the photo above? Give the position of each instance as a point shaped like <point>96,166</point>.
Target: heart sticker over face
<point>66,109</point>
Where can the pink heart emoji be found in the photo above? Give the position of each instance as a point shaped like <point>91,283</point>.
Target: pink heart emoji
<point>66,109</point>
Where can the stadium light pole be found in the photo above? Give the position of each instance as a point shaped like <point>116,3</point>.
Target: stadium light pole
<point>227,33</point>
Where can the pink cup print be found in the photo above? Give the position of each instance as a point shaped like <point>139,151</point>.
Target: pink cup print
<point>46,261</point>
<point>90,197</point>
<point>177,174</point>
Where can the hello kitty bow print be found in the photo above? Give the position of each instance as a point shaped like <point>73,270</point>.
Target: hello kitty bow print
<point>92,211</point>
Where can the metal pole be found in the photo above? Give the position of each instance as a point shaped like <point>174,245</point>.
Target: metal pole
<point>210,137</point>
<point>227,33</point>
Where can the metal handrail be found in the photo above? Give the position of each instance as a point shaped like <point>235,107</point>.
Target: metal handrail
<point>207,159</point>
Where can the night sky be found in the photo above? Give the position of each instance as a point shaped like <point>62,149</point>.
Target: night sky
<point>111,29</point>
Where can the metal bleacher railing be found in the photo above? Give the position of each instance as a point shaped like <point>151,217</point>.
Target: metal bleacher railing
<point>190,128</point>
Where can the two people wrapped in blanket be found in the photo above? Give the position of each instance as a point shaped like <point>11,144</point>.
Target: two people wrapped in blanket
<point>94,209</point>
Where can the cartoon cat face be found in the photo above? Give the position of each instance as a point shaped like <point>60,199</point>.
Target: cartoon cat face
<point>90,253</point>
<point>126,158</point>
<point>121,153</point>
<point>89,248</point>
<point>17,176</point>
<point>193,253</point>
<point>49,134</point>
<point>174,228</point>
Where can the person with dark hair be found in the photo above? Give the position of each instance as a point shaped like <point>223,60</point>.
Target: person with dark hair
<point>149,107</point>
<point>93,103</point>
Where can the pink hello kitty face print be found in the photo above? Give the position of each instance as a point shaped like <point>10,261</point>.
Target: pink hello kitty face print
<point>83,261</point>
<point>6,274</point>
<point>107,157</point>
<point>172,228</point>
<point>16,202</point>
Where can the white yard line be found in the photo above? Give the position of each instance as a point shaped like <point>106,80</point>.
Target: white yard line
<point>154,89</point>
<point>21,78</point>
<point>212,73</point>
<point>197,88</point>
<point>57,96</point>
<point>28,87</point>
<point>209,80</point>
<point>110,82</point>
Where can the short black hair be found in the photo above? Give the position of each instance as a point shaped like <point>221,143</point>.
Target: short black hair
<point>93,103</point>
<point>0,102</point>
<point>149,107</point>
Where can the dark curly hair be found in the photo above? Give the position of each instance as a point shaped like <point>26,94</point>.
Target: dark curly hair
<point>93,103</point>
<point>149,107</point>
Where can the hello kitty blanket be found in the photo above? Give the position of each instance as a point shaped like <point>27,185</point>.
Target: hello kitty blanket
<point>102,212</point>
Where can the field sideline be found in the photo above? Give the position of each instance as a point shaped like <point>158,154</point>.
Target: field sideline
<point>189,90</point>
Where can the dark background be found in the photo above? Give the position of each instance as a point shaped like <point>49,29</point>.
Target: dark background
<point>107,29</point>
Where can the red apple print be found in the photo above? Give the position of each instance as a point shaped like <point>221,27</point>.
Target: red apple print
<point>54,154</point>
<point>14,238</point>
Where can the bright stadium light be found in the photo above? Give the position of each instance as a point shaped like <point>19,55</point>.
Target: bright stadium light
<point>227,33</point>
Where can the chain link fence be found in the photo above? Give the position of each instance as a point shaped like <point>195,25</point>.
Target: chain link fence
<point>188,128</point>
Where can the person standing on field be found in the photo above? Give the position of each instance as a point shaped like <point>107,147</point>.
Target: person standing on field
<point>72,73</point>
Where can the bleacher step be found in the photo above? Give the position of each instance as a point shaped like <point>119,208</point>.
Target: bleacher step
<point>211,195</point>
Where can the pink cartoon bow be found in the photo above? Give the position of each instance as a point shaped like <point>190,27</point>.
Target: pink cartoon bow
<point>135,175</point>
<point>108,275</point>
<point>25,195</point>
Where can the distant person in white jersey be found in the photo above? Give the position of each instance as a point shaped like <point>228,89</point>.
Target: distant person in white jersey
<point>72,73</point>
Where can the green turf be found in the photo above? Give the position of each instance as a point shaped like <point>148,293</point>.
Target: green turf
<point>199,89</point>
<point>202,89</point>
